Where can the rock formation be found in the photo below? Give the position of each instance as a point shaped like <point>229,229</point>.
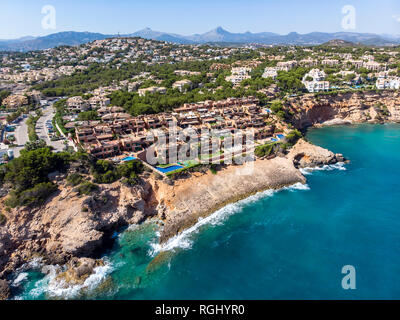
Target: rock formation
<point>352,107</point>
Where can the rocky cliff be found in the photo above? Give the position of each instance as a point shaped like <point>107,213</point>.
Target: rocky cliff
<point>69,225</point>
<point>352,107</point>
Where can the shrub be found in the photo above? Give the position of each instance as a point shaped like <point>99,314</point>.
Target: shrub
<point>293,137</point>
<point>35,196</point>
<point>74,179</point>
<point>86,188</point>
<point>3,219</point>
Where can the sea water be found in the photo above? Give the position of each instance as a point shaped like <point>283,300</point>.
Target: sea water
<point>287,244</point>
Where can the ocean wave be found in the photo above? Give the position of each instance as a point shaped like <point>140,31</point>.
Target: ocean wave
<point>298,186</point>
<point>53,287</point>
<point>20,278</point>
<point>337,166</point>
<point>184,239</point>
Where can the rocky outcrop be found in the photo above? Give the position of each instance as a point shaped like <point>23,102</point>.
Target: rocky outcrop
<point>307,155</point>
<point>341,108</point>
<point>189,199</point>
<point>72,231</point>
<point>69,225</point>
<point>5,291</point>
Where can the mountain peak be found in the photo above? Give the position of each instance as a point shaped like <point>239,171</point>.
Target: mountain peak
<point>220,30</point>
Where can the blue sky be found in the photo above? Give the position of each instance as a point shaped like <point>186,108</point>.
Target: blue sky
<point>22,17</point>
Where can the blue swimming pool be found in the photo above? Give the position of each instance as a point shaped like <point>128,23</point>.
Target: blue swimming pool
<point>280,136</point>
<point>128,159</point>
<point>169,169</point>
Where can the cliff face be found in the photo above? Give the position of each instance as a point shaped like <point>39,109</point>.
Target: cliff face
<point>354,107</point>
<point>72,230</point>
<point>69,225</point>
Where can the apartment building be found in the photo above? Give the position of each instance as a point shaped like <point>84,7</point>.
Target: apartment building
<point>182,84</point>
<point>151,90</point>
<point>314,81</point>
<point>77,105</point>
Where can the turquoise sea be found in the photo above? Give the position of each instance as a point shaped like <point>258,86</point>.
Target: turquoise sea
<point>289,244</point>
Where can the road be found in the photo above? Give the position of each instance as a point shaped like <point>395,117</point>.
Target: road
<point>21,136</point>
<point>48,114</point>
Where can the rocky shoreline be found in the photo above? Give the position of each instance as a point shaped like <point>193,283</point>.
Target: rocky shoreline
<point>72,231</point>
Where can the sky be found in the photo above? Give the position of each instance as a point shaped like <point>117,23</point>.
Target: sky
<point>20,18</point>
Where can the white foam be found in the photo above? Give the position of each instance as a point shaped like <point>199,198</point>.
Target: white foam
<point>21,277</point>
<point>337,166</point>
<point>298,186</point>
<point>184,241</point>
<point>56,288</point>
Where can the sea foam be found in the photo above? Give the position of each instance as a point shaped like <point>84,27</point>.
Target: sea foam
<point>184,239</point>
<point>337,166</point>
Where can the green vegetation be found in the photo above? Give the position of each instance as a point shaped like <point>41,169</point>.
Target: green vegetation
<point>3,219</point>
<point>88,115</point>
<point>213,168</point>
<point>74,179</point>
<point>3,95</point>
<point>105,172</point>
<point>27,176</point>
<point>58,117</point>
<point>31,123</point>
<point>290,82</point>
<point>86,188</point>
<point>266,150</point>
<point>292,138</point>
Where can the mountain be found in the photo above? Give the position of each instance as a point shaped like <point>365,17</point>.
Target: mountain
<point>217,35</point>
<point>338,43</point>
<point>70,38</point>
<point>147,33</point>
<point>220,35</point>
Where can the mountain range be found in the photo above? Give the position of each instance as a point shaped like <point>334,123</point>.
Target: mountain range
<point>217,35</point>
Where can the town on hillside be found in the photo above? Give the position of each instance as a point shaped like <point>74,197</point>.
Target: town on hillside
<point>113,99</point>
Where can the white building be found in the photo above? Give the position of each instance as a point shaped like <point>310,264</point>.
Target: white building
<point>388,83</point>
<point>180,85</point>
<point>270,73</point>
<point>314,81</point>
<point>239,74</point>
<point>143,92</point>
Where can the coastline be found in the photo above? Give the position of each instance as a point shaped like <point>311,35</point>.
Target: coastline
<point>184,203</point>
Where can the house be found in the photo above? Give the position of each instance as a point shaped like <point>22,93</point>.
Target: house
<point>388,83</point>
<point>270,73</point>
<point>182,84</point>
<point>314,81</point>
<point>77,104</point>
<point>151,90</point>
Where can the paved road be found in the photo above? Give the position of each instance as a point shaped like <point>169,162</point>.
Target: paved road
<point>21,136</point>
<point>48,114</point>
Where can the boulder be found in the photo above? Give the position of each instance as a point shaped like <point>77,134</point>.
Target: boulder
<point>5,291</point>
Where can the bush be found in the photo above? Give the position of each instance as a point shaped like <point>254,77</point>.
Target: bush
<point>86,188</point>
<point>265,150</point>
<point>27,175</point>
<point>74,179</point>
<point>293,137</point>
<point>106,172</point>
<point>33,197</point>
<point>3,219</point>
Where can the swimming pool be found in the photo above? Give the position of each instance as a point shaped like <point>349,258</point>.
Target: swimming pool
<point>169,169</point>
<point>280,136</point>
<point>128,159</point>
